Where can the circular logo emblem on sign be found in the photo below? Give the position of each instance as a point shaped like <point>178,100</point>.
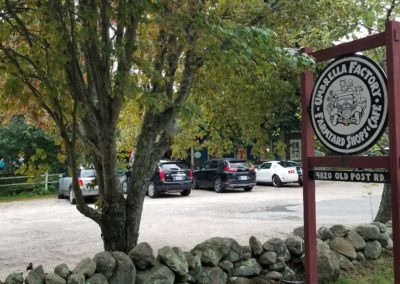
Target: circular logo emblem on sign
<point>349,104</point>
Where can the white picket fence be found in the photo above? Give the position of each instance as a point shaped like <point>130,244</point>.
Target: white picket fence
<point>46,180</point>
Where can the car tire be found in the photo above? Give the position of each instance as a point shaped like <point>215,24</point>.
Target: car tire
<point>195,183</point>
<point>249,188</point>
<point>301,182</point>
<point>151,190</point>
<point>72,199</point>
<point>218,185</point>
<point>276,181</point>
<point>186,192</point>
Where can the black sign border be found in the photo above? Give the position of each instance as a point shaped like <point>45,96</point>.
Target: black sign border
<point>385,123</point>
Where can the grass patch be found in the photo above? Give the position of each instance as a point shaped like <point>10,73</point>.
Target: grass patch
<point>374,272</point>
<point>24,197</point>
<point>34,193</point>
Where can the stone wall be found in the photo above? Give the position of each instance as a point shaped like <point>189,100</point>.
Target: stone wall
<point>223,260</point>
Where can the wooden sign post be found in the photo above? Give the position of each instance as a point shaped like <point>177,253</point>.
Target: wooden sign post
<point>391,40</point>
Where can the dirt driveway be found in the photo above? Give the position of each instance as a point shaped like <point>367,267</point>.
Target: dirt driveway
<point>51,231</point>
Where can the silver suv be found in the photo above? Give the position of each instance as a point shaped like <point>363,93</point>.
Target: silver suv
<point>86,181</point>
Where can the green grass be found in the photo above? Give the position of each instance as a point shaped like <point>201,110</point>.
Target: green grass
<point>25,195</point>
<point>373,272</point>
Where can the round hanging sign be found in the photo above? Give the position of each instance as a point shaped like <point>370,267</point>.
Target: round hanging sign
<point>349,104</point>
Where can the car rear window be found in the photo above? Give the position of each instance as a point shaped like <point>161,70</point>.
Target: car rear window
<point>238,165</point>
<point>286,164</point>
<point>174,166</point>
<point>87,173</point>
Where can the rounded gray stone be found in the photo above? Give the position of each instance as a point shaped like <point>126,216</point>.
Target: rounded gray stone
<point>295,245</point>
<point>339,230</point>
<point>142,255</point>
<point>279,266</point>
<point>278,246</point>
<point>369,232</point>
<point>62,270</point>
<point>256,246</point>
<point>360,257</point>
<point>382,227</point>
<point>125,271</point>
<point>36,276</point>
<point>274,275</point>
<point>299,231</point>
<point>373,250</point>
<point>175,259</point>
<point>97,279</point>
<point>325,233</point>
<point>267,258</point>
<point>226,266</point>
<point>86,267</point>
<point>385,241</point>
<point>105,263</point>
<point>356,240</point>
<point>194,263</point>
<point>344,247</point>
<point>213,250</point>
<point>158,273</point>
<point>247,268</point>
<point>52,278</point>
<point>213,275</point>
<point>14,278</point>
<point>235,253</point>
<point>76,279</point>
<point>246,256</point>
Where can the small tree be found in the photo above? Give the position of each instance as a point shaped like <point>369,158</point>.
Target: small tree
<point>80,61</point>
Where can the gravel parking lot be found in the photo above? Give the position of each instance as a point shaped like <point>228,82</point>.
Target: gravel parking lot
<point>51,231</point>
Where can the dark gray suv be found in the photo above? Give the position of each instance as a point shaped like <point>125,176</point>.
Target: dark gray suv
<point>222,174</point>
<point>170,176</point>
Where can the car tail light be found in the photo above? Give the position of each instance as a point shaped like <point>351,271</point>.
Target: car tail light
<point>162,174</point>
<point>290,171</point>
<point>229,169</point>
<point>190,174</point>
<point>80,182</point>
<point>252,169</point>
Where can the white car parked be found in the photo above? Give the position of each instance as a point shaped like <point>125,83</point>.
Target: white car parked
<point>279,172</point>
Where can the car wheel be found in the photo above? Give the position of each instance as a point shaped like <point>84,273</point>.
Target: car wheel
<point>72,199</point>
<point>249,188</point>
<point>218,185</point>
<point>276,181</point>
<point>151,191</point>
<point>124,187</point>
<point>186,192</point>
<point>301,182</point>
<point>195,183</point>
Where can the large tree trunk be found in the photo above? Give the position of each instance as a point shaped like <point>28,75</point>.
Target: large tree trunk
<point>385,208</point>
<point>113,216</point>
<point>154,140</point>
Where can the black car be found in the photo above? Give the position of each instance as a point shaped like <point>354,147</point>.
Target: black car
<point>170,176</point>
<point>222,174</point>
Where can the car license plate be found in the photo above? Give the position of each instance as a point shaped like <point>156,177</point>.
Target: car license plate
<point>179,178</point>
<point>243,177</point>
